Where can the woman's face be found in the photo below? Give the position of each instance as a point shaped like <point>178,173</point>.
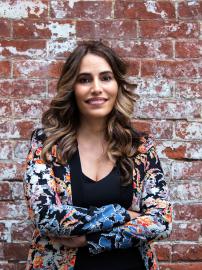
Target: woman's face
<point>96,88</point>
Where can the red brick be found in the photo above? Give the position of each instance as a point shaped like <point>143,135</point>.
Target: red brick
<point>190,10</point>
<point>134,67</point>
<point>5,69</point>
<point>14,9</point>
<point>160,129</point>
<point>166,165</point>
<point>142,126</point>
<point>15,251</point>
<point>10,170</point>
<point>163,252</point>
<point>180,266</point>
<point>187,212</point>
<point>5,129</point>
<point>20,169</point>
<point>189,89</point>
<point>21,149</point>
<point>52,88</point>
<point>185,231</point>
<point>200,69</point>
<point>28,108</point>
<point>23,48</point>
<point>60,48</point>
<point>144,10</point>
<point>188,49</point>
<point>180,150</point>
<point>31,68</point>
<point>170,69</point>
<point>82,9</point>
<point>187,252</point>
<point>6,149</point>
<point>24,128</point>
<point>44,29</point>
<point>177,152</point>
<point>5,191</point>
<point>5,107</point>
<point>21,232</point>
<point>182,192</point>
<point>167,109</point>
<point>1,251</point>
<point>155,87</point>
<point>37,69</point>
<point>12,266</point>
<point>10,210</point>
<point>7,266</point>
<point>121,29</point>
<point>17,129</point>
<point>5,88</point>
<point>162,29</point>
<point>187,170</point>
<point>5,28</point>
<point>20,266</point>
<point>7,170</point>
<point>143,49</point>
<point>3,233</point>
<point>29,89</point>
<point>188,130</point>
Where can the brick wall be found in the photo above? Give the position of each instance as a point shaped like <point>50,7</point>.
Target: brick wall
<point>161,40</point>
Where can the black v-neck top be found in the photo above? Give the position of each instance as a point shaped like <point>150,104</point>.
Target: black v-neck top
<point>87,192</point>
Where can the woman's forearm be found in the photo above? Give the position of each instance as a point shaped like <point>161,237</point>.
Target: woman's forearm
<point>80,241</point>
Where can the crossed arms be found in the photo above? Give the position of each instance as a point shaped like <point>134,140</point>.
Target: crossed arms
<point>107,227</point>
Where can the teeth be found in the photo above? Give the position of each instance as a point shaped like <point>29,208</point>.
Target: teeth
<point>98,101</point>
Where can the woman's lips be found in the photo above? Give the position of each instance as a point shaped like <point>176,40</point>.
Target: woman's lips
<point>96,101</point>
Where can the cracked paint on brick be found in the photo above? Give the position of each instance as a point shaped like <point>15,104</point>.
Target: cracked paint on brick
<point>21,9</point>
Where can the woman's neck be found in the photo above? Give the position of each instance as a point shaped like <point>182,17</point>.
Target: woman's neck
<point>92,129</point>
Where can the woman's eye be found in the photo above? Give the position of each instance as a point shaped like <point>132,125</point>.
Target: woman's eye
<point>84,80</point>
<point>107,78</point>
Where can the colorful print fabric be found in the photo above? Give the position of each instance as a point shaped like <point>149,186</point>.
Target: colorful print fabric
<point>49,201</point>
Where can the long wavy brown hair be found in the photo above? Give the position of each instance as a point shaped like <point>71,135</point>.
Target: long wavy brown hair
<point>61,120</point>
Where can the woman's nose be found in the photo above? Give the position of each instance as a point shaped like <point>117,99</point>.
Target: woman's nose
<point>96,86</point>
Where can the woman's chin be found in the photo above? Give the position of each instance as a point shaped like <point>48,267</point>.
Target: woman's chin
<point>97,115</point>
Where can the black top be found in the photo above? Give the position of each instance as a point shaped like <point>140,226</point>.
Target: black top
<point>87,192</point>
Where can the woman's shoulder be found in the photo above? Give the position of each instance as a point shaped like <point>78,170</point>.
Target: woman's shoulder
<point>147,154</point>
<point>36,145</point>
<point>38,138</point>
<point>38,135</point>
<point>146,144</point>
<point>143,142</point>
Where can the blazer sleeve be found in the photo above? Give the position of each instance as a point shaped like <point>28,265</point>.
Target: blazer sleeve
<point>155,221</point>
<point>46,211</point>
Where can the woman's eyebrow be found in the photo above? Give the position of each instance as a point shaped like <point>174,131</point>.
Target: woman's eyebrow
<point>84,73</point>
<point>103,72</point>
<point>106,72</point>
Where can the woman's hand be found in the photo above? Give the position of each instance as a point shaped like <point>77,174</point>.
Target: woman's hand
<point>133,214</point>
<point>71,241</point>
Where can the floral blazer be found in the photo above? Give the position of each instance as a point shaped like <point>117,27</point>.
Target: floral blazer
<point>49,200</point>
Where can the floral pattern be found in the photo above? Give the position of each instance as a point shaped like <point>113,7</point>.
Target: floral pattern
<point>49,200</point>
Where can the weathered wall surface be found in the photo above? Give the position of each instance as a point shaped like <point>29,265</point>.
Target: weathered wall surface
<point>162,41</point>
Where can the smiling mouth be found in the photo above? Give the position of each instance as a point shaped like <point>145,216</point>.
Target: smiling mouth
<point>96,101</point>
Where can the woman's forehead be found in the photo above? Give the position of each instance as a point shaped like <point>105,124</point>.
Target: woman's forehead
<point>91,63</point>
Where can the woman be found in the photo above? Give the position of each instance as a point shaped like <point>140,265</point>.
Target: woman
<point>94,185</point>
